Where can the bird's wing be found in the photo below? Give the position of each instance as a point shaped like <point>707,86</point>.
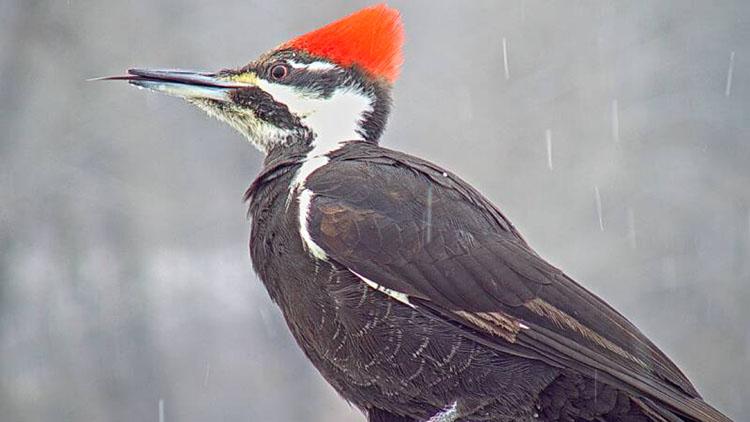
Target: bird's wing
<point>427,238</point>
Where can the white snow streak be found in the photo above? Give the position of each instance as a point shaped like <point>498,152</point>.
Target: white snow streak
<point>598,197</point>
<point>548,137</point>
<point>730,72</point>
<point>428,217</point>
<point>615,121</point>
<point>207,374</point>
<point>505,58</point>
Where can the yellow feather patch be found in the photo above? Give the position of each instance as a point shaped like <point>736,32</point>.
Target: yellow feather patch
<point>249,78</point>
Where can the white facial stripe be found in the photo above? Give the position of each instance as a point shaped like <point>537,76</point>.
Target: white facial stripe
<point>314,66</point>
<point>334,120</point>
<point>401,297</point>
<point>296,65</point>
<point>305,200</point>
<point>320,66</point>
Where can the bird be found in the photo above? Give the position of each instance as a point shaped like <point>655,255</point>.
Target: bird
<point>409,291</point>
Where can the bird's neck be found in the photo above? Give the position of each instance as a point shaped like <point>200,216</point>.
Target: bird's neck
<point>348,115</point>
<point>357,111</point>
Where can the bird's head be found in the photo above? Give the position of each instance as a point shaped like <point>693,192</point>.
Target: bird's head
<point>330,85</point>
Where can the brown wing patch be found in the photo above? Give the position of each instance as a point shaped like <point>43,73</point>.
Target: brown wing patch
<point>338,224</point>
<point>497,323</point>
<point>336,219</point>
<point>563,320</point>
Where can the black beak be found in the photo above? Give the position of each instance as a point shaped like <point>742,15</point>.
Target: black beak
<point>180,83</point>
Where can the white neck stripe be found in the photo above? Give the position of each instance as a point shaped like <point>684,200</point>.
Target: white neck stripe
<point>328,137</point>
<point>333,120</point>
<point>305,201</point>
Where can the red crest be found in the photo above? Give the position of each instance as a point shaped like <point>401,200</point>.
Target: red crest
<point>370,38</point>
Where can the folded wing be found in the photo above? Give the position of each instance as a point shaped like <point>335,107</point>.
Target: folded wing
<point>410,228</point>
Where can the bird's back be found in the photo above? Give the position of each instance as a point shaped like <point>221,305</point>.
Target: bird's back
<point>575,357</point>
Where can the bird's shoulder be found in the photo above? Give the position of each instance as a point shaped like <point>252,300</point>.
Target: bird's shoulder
<point>363,173</point>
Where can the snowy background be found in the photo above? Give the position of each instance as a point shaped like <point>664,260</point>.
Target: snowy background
<point>615,134</point>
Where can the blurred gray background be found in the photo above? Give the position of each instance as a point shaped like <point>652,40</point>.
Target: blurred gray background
<point>617,138</point>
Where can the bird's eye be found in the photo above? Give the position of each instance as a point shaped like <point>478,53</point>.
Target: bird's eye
<point>279,71</point>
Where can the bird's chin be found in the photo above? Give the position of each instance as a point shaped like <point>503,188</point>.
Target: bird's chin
<point>220,110</point>
<point>210,106</point>
<point>261,134</point>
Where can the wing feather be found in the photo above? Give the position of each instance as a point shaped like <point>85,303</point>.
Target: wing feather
<point>467,262</point>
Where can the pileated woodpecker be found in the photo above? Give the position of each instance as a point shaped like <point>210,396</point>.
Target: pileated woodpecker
<point>451,317</point>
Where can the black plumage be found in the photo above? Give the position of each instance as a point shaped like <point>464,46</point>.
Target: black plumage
<point>489,326</point>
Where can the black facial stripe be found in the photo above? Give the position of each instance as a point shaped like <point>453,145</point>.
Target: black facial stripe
<point>266,108</point>
<point>316,83</point>
<point>322,83</point>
